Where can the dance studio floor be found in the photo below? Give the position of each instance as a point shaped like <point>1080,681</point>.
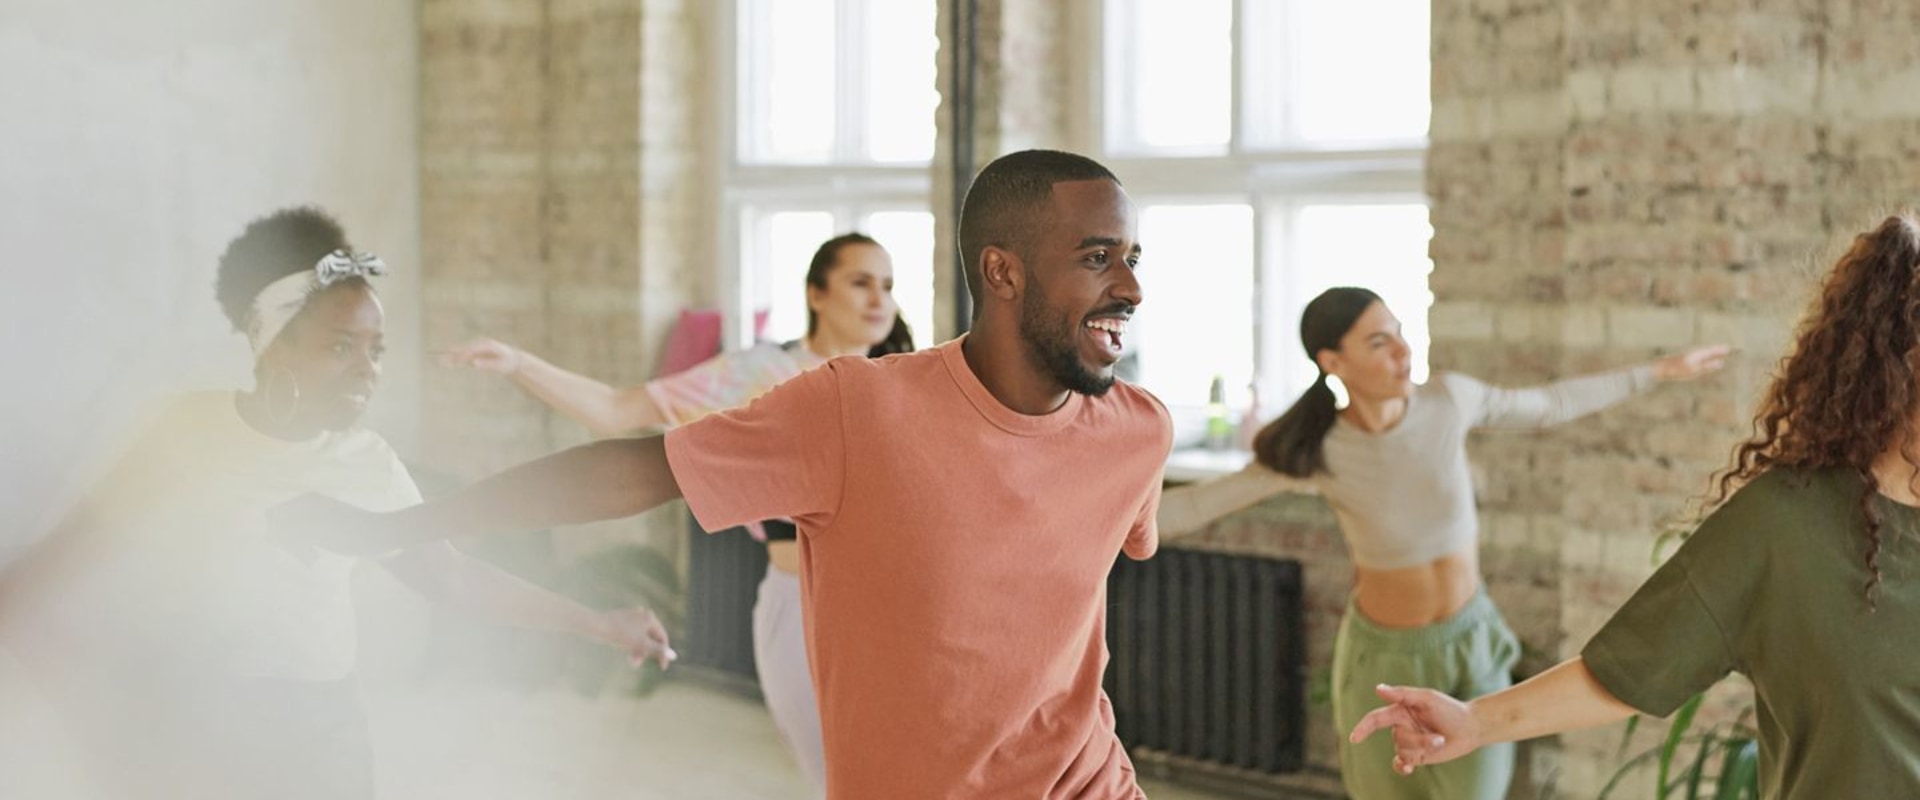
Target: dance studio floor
<point>470,741</point>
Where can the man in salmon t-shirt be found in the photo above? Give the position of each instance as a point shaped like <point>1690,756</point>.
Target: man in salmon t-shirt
<point>959,508</point>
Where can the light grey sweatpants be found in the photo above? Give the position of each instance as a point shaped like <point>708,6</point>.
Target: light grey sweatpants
<point>780,656</point>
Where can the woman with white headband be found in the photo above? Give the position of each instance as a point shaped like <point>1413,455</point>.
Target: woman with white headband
<point>197,656</point>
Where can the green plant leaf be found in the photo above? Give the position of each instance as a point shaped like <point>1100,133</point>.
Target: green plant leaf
<point>1626,736</point>
<point>1639,760</point>
<point>1740,772</point>
<point>1665,542</point>
<point>1682,720</point>
<point>1699,768</point>
<point>1625,770</point>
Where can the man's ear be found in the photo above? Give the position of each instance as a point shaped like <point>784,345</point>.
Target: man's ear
<point>1003,273</point>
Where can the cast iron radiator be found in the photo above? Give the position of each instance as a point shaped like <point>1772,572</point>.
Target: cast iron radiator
<point>723,581</point>
<point>1209,659</point>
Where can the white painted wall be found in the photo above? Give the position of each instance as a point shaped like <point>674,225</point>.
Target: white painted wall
<point>136,139</point>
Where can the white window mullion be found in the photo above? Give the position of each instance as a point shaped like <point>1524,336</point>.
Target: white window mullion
<point>1264,69</point>
<point>740,43</point>
<point>736,314</point>
<point>1287,69</point>
<point>850,128</point>
<point>1236,137</point>
<point>1117,77</point>
<point>1288,302</point>
<point>1266,313</point>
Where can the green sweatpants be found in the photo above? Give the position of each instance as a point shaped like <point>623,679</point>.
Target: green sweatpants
<point>1466,655</point>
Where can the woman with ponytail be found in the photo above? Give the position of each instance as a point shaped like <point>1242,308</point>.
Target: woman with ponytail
<point>1392,463</point>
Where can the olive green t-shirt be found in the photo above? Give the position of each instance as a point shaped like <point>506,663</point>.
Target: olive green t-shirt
<point>1772,585</point>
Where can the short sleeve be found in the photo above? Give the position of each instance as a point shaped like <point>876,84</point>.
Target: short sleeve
<point>1143,540</point>
<point>1678,634</point>
<point>366,472</point>
<point>781,456</point>
<point>379,482</point>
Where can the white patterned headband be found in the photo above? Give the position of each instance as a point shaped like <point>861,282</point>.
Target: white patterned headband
<point>277,304</point>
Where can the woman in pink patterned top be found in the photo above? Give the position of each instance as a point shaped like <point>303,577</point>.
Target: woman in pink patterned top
<point>850,312</point>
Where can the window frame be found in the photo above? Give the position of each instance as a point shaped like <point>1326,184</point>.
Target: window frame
<point>1275,180</point>
<point>848,185</point>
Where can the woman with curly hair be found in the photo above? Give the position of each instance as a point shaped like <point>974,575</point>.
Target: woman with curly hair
<point>1802,578</point>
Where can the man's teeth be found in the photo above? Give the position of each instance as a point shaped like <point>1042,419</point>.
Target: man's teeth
<point>1108,325</point>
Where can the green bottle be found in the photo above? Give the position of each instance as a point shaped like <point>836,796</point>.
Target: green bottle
<point>1219,424</point>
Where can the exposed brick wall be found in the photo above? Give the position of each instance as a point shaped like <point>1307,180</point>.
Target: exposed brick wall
<point>562,207</point>
<point>1611,181</point>
<point>483,164</point>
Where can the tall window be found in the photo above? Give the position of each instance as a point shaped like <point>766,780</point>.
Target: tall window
<point>832,130</point>
<point>1275,149</point>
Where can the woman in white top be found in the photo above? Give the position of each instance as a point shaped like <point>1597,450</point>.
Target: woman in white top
<point>850,312</point>
<point>192,654</point>
<point>1393,465</point>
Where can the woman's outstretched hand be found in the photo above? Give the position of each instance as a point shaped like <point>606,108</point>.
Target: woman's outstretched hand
<point>1428,727</point>
<point>1694,363</point>
<point>489,355</point>
<point>637,632</point>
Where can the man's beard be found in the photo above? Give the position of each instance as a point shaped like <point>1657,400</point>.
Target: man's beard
<point>1053,342</point>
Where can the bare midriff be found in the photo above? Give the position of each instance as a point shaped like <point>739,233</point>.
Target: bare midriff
<point>784,556</point>
<point>1412,597</point>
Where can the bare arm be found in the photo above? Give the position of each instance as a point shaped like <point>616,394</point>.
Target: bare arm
<point>603,409</point>
<point>1186,509</point>
<point>593,482</point>
<point>1430,727</point>
<point>440,571</point>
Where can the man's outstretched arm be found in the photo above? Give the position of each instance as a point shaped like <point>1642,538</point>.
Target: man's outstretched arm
<point>593,482</point>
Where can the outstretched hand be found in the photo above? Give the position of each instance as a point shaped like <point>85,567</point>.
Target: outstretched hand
<point>638,632</point>
<point>1692,364</point>
<point>1428,727</point>
<point>485,354</point>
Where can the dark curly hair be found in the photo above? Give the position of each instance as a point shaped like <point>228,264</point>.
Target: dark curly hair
<point>273,247</point>
<point>1846,390</point>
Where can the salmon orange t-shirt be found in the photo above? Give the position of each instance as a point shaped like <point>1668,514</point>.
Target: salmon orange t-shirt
<point>954,561</point>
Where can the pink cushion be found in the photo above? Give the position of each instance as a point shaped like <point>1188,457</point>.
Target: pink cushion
<point>696,338</point>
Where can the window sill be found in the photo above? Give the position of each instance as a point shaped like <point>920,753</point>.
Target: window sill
<point>1194,464</point>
